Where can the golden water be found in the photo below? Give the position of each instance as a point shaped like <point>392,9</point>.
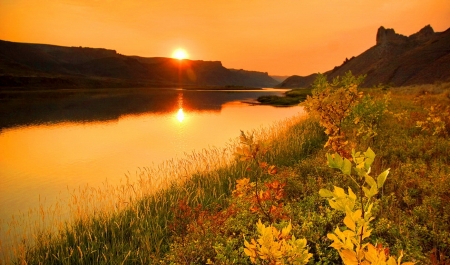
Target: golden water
<point>40,163</point>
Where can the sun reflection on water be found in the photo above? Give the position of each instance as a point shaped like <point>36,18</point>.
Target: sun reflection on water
<point>180,115</point>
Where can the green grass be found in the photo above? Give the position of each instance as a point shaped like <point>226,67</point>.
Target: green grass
<point>197,218</point>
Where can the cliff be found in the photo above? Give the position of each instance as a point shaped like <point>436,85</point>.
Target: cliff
<point>397,60</point>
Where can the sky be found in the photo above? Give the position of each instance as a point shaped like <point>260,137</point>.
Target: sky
<point>281,37</point>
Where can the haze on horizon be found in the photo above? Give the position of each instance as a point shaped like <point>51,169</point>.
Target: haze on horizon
<point>284,37</point>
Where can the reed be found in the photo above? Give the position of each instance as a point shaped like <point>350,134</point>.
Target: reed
<point>128,223</point>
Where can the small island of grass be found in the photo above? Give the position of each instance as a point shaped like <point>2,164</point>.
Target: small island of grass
<point>291,98</point>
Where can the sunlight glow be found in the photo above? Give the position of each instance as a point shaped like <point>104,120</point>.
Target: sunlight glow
<point>180,54</point>
<point>180,115</point>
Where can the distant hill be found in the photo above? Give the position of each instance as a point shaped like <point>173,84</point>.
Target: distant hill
<point>42,65</point>
<point>279,78</point>
<point>397,60</point>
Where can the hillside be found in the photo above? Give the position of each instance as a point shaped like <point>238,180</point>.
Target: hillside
<point>41,65</point>
<point>395,60</point>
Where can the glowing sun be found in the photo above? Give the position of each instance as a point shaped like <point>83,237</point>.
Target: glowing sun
<point>180,54</point>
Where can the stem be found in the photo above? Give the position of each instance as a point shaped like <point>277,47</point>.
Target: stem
<point>363,211</point>
<point>257,198</point>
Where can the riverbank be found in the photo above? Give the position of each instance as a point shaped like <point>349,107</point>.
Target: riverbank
<point>145,208</point>
<point>202,219</point>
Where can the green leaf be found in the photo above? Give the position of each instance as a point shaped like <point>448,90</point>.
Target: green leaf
<point>325,193</point>
<point>370,193</point>
<point>366,192</point>
<point>368,213</point>
<point>382,178</point>
<point>334,161</point>
<point>373,191</point>
<point>370,157</point>
<point>370,181</point>
<point>338,162</point>
<point>346,167</point>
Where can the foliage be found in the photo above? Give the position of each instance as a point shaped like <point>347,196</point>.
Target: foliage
<point>203,231</point>
<point>266,202</point>
<point>292,97</point>
<point>437,121</point>
<point>276,247</point>
<point>209,216</point>
<point>351,243</point>
<point>279,101</point>
<point>367,116</point>
<point>183,214</point>
<point>332,103</point>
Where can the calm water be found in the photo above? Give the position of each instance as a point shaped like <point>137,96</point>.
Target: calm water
<point>53,142</point>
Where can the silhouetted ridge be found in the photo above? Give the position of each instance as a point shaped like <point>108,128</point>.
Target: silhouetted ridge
<point>397,60</point>
<point>25,64</point>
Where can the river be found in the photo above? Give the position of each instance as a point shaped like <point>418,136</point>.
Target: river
<point>54,141</point>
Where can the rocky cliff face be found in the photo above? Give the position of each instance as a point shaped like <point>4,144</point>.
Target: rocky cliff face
<point>397,60</point>
<point>388,36</point>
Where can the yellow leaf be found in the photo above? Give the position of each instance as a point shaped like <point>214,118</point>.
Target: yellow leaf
<point>360,254</point>
<point>249,253</point>
<point>337,245</point>
<point>260,226</point>
<point>341,235</point>
<point>349,257</point>
<point>348,221</point>
<point>351,195</point>
<point>250,246</point>
<point>285,231</point>
<point>325,193</point>
<point>339,192</point>
<point>371,254</point>
<point>333,237</point>
<point>367,233</point>
<point>357,215</point>
<point>391,261</point>
<point>400,257</point>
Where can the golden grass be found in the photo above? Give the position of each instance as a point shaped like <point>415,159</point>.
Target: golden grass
<point>140,205</point>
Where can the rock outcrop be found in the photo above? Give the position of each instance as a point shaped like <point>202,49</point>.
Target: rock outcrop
<point>396,60</point>
<point>388,36</point>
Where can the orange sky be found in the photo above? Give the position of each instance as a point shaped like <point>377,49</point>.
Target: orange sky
<point>282,37</point>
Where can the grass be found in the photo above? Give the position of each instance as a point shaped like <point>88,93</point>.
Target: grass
<point>292,97</point>
<point>197,219</point>
<point>129,222</point>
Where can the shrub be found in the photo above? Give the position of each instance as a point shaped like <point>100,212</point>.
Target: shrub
<point>331,104</point>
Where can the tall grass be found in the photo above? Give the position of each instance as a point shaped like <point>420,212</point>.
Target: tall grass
<point>128,223</point>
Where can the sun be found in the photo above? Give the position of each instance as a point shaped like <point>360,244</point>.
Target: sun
<point>180,54</point>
